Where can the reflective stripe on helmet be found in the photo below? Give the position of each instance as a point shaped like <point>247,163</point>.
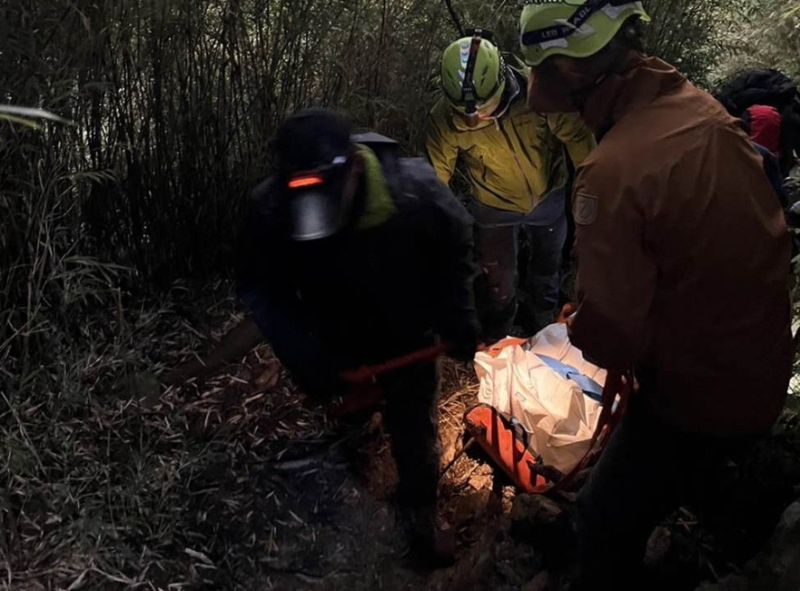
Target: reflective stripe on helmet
<point>573,24</point>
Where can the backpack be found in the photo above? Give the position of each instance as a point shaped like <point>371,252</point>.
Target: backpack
<point>767,87</point>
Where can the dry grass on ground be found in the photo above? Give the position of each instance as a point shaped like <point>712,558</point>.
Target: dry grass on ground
<point>113,481</point>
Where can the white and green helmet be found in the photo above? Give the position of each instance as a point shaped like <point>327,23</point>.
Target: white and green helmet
<point>473,75</point>
<point>573,28</point>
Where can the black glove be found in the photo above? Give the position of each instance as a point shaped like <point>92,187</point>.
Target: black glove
<point>462,341</point>
<point>322,386</point>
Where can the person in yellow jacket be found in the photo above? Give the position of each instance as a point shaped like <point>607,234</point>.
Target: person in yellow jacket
<point>515,160</point>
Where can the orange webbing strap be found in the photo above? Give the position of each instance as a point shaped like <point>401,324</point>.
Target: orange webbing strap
<point>369,372</point>
<point>365,393</point>
<point>494,350</point>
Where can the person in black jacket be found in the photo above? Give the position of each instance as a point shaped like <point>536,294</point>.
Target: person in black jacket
<point>348,260</point>
<point>773,88</point>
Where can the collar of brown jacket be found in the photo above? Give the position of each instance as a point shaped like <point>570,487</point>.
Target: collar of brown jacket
<point>637,82</point>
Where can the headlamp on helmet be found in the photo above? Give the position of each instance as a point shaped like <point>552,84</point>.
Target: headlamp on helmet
<point>474,75</point>
<point>572,28</point>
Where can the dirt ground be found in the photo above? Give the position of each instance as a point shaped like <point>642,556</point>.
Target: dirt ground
<point>313,510</point>
<point>228,481</point>
<point>323,491</point>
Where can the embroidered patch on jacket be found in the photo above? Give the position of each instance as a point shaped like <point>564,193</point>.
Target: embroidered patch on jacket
<point>584,210</point>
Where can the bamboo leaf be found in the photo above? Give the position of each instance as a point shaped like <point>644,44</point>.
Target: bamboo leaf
<point>19,120</point>
<point>27,115</point>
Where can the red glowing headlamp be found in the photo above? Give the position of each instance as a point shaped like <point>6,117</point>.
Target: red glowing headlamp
<point>314,178</point>
<point>303,181</point>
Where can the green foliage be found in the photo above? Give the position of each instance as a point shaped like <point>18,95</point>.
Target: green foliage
<point>171,106</point>
<point>174,104</point>
<point>760,34</point>
<point>685,33</point>
<point>27,116</point>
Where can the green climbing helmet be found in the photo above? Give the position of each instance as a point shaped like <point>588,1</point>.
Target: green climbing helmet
<point>473,75</point>
<point>573,28</point>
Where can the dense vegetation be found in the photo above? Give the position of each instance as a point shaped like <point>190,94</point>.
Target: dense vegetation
<point>167,111</point>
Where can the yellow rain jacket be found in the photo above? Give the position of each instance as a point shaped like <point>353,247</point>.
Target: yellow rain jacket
<point>512,162</point>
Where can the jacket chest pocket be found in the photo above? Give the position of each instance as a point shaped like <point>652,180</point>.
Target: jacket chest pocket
<point>480,160</point>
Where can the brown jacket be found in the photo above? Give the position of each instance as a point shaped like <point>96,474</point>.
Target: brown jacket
<point>683,254</point>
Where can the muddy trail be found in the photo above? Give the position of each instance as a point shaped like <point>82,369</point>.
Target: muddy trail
<point>295,501</point>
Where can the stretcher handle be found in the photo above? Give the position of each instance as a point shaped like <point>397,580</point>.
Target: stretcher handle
<point>369,373</point>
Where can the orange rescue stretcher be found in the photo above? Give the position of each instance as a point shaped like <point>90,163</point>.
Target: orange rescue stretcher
<point>504,442</point>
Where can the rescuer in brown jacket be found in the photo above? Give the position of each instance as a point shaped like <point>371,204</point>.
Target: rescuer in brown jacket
<point>683,261</point>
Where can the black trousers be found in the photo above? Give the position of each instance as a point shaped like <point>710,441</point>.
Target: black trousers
<point>648,470</point>
<point>411,419</point>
